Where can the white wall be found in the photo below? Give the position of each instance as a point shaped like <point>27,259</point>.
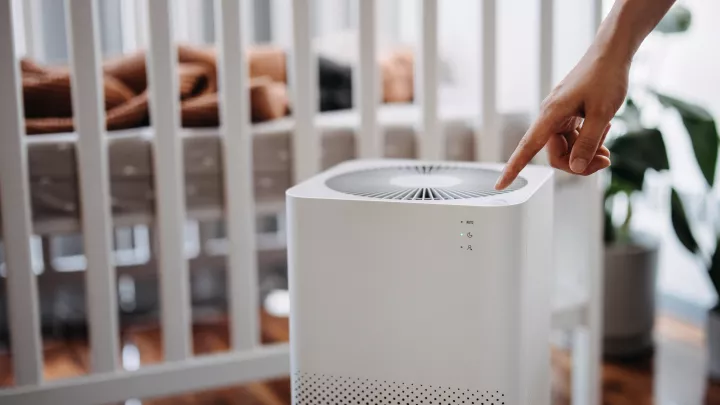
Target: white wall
<point>517,44</point>
<point>691,68</point>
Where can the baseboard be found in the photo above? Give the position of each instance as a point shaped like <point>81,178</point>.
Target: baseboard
<point>682,309</point>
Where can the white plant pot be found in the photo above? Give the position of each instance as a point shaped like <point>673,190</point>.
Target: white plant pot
<point>713,342</point>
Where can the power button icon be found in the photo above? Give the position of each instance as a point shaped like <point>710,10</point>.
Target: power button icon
<point>469,235</point>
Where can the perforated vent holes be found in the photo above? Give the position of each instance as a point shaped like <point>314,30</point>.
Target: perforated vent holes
<point>320,389</point>
<point>421,182</point>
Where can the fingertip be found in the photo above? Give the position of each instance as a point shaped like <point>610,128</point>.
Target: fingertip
<point>506,177</point>
<point>589,143</point>
<point>500,183</point>
<point>597,164</point>
<point>578,165</point>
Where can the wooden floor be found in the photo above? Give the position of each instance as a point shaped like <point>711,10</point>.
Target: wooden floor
<point>623,383</point>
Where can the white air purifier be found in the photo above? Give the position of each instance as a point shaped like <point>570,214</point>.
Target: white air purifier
<point>417,283</point>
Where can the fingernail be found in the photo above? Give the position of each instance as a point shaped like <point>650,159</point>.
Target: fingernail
<point>499,182</point>
<point>578,165</point>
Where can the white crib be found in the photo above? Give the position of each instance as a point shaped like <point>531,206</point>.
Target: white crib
<point>578,214</point>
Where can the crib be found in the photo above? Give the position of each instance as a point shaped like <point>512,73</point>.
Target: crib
<point>161,176</point>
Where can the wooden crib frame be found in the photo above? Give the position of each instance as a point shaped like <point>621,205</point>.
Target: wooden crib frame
<point>579,311</point>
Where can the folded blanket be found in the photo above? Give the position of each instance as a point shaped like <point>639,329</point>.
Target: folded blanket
<point>47,94</point>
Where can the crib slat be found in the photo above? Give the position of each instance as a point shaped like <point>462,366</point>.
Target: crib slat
<point>15,194</point>
<point>488,146</point>
<point>238,163</point>
<point>33,29</point>
<point>587,345</point>
<point>89,117</point>
<point>169,181</point>
<point>432,142</point>
<point>366,82</point>
<point>546,49</point>
<point>306,145</point>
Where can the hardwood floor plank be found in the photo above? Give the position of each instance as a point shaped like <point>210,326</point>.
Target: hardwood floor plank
<point>623,382</point>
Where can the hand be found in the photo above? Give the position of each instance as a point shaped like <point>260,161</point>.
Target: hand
<point>575,118</point>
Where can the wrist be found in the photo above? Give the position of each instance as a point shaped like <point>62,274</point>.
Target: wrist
<point>617,36</point>
<point>626,27</point>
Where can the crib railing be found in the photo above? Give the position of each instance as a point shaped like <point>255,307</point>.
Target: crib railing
<point>17,229</point>
<point>248,359</point>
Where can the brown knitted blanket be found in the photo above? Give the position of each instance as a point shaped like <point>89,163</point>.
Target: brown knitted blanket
<point>47,94</point>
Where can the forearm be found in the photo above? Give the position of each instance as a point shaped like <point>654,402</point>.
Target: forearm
<point>627,25</point>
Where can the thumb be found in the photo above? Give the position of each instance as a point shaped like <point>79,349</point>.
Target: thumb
<point>588,142</point>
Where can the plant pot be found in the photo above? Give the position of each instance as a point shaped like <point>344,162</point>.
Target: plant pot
<point>713,342</point>
<point>629,304</point>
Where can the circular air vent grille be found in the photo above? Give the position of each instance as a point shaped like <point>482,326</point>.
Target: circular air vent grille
<point>421,182</point>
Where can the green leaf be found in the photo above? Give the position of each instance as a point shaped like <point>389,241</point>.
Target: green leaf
<point>618,185</point>
<point>703,133</point>
<point>644,149</point>
<point>684,108</point>
<point>634,153</point>
<point>678,19</point>
<point>714,273</point>
<point>680,223</point>
<point>609,228</point>
<point>631,177</point>
<point>714,270</point>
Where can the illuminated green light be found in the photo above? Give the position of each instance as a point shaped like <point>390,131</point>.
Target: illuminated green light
<point>461,234</point>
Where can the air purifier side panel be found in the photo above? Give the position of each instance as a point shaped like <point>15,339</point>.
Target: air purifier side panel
<point>536,299</point>
<point>292,235</point>
<point>385,293</point>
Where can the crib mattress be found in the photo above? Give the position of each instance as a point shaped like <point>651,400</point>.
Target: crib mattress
<point>53,166</point>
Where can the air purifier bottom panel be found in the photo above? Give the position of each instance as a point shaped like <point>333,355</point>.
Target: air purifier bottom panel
<point>320,389</point>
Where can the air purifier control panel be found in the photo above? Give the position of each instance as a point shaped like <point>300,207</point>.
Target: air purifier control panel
<point>466,234</point>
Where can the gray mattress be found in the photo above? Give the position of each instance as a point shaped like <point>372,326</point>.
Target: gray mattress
<point>53,170</point>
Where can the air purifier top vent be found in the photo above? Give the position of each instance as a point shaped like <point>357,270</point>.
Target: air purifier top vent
<point>406,181</point>
<point>413,182</point>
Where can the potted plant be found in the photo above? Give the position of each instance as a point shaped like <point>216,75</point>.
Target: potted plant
<point>631,257</point>
<point>703,132</point>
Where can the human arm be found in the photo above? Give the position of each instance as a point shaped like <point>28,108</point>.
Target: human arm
<point>575,117</point>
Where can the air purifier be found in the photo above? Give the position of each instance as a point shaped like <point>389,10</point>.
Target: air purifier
<point>417,283</point>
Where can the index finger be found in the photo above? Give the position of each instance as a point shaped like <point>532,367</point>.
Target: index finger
<point>531,143</point>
